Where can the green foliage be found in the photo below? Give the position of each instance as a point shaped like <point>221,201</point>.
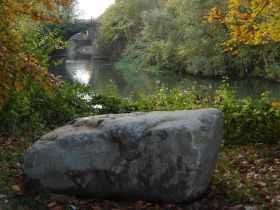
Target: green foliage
<point>39,41</point>
<point>33,110</point>
<point>66,29</point>
<point>246,120</point>
<point>167,100</point>
<point>123,19</point>
<point>171,35</point>
<point>175,36</point>
<point>121,23</point>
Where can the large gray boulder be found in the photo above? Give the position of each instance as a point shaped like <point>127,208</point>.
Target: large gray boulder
<point>157,156</point>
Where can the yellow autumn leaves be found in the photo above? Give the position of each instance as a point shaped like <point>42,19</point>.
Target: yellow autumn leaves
<point>249,22</point>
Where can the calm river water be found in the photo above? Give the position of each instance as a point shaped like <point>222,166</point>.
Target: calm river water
<point>103,76</point>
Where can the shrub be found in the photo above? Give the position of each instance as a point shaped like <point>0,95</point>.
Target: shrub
<point>33,110</point>
<point>247,121</point>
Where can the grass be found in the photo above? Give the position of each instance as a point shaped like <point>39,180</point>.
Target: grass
<point>245,176</point>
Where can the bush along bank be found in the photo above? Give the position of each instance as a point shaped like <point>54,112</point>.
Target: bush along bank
<point>34,111</point>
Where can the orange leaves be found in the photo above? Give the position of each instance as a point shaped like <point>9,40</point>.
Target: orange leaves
<point>14,8</point>
<point>14,74</point>
<point>16,65</point>
<point>19,86</point>
<point>17,189</point>
<point>275,104</point>
<point>215,15</point>
<point>254,22</point>
<point>63,3</point>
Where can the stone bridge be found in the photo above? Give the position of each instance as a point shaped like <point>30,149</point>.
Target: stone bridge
<point>84,44</point>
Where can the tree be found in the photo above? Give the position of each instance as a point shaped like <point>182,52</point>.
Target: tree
<point>16,62</point>
<point>175,35</point>
<point>253,29</point>
<point>250,22</point>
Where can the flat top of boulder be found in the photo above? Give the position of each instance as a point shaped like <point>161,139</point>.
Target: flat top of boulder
<point>135,122</point>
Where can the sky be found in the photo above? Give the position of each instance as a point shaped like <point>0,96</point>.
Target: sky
<point>92,8</point>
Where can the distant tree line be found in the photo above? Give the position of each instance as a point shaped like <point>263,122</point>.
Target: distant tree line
<point>199,37</point>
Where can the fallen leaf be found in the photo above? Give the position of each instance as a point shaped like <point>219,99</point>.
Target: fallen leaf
<point>61,198</point>
<point>57,208</point>
<point>16,188</point>
<point>237,207</point>
<point>96,208</point>
<point>261,184</point>
<point>52,204</point>
<point>139,204</point>
<point>72,207</point>
<point>251,208</point>
<point>2,196</point>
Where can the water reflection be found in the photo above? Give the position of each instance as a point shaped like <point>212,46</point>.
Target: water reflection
<point>79,70</point>
<point>103,76</point>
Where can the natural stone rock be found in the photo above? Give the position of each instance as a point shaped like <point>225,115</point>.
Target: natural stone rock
<point>159,156</point>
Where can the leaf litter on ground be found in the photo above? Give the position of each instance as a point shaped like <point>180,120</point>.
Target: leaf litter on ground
<point>246,178</point>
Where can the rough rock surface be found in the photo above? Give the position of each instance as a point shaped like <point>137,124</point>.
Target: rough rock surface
<point>157,156</point>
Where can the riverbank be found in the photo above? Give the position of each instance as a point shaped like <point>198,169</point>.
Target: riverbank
<point>192,38</point>
<point>247,174</point>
